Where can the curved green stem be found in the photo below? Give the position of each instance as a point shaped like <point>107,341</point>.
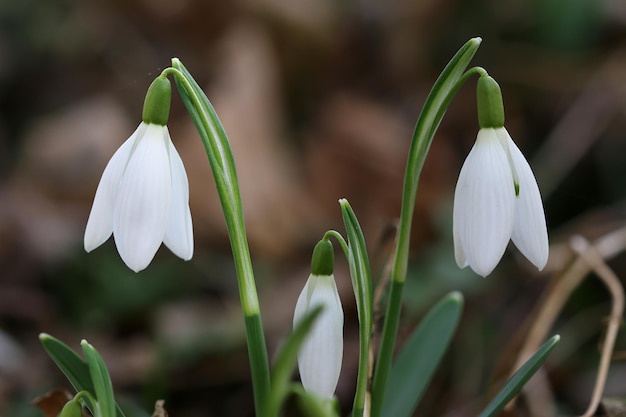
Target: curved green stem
<point>222,164</point>
<point>434,109</point>
<point>89,399</point>
<point>339,238</point>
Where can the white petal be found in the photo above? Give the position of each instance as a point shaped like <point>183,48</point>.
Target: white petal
<point>320,356</point>
<point>143,203</point>
<point>179,233</point>
<point>483,205</point>
<point>100,223</point>
<point>302,305</point>
<point>457,219</point>
<point>530,233</point>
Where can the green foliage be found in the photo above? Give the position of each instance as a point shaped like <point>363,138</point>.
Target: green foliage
<point>517,381</point>
<point>446,86</point>
<point>101,380</point>
<point>361,275</point>
<point>416,364</point>
<point>222,164</point>
<point>286,363</point>
<point>79,373</point>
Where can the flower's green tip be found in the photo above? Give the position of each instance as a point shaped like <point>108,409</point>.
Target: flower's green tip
<point>72,409</point>
<point>156,107</point>
<point>323,260</point>
<point>489,103</point>
<point>44,336</point>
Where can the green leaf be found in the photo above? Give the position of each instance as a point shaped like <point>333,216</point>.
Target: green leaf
<point>446,86</point>
<point>286,363</point>
<point>222,165</point>
<point>73,366</point>
<point>517,381</point>
<point>207,123</point>
<point>360,273</point>
<point>419,358</point>
<point>101,380</point>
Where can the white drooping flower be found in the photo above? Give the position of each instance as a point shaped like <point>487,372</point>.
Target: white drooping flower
<point>497,199</point>
<point>321,353</point>
<point>143,196</point>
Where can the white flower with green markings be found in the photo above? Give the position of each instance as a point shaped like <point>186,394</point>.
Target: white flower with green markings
<point>497,198</point>
<point>321,353</point>
<point>143,195</point>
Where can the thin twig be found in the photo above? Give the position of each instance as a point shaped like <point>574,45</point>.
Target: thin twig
<point>613,284</point>
<point>549,308</point>
<point>606,247</point>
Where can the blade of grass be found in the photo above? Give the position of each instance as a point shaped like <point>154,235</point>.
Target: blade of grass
<point>519,379</point>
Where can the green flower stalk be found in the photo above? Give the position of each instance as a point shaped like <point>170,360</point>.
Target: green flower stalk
<point>143,200</point>
<point>446,86</point>
<point>222,165</point>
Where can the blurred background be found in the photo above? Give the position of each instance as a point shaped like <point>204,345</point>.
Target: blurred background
<point>319,99</point>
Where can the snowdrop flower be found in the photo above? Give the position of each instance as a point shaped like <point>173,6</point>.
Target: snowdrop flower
<point>496,198</point>
<point>321,353</point>
<point>143,195</point>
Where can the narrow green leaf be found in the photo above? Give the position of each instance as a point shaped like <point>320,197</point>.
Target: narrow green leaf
<point>222,165</point>
<point>416,364</point>
<point>73,366</point>
<point>207,123</point>
<point>360,273</point>
<point>286,362</point>
<point>101,380</point>
<point>436,104</point>
<point>360,266</point>
<point>220,157</point>
<point>519,379</point>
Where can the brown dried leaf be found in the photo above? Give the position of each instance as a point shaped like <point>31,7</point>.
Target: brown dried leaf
<point>52,402</point>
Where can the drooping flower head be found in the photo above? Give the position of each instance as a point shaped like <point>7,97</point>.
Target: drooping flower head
<point>497,198</point>
<point>143,195</point>
<point>321,353</point>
